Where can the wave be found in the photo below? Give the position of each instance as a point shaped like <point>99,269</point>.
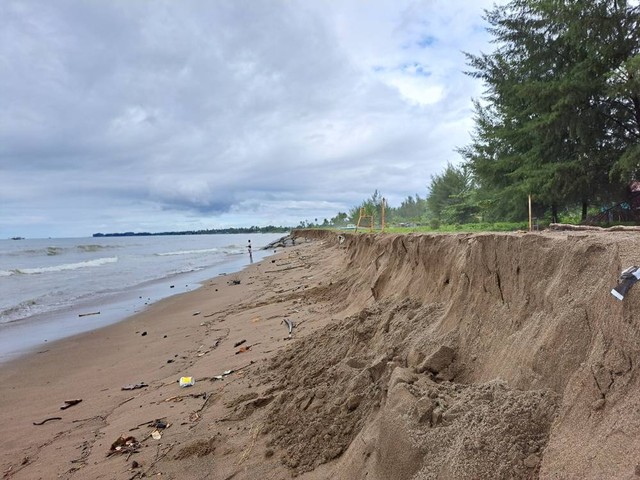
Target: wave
<point>59,268</point>
<point>188,252</point>
<point>32,252</point>
<point>16,312</point>
<point>94,248</point>
<point>54,251</point>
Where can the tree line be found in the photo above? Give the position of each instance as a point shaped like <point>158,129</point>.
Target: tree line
<point>210,231</point>
<point>559,118</point>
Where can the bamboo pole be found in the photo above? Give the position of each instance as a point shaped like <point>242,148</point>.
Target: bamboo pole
<point>530,220</point>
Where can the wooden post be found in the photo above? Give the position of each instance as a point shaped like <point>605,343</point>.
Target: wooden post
<point>382,215</point>
<point>358,223</point>
<point>530,221</point>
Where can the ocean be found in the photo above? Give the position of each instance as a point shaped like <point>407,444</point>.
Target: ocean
<point>53,288</point>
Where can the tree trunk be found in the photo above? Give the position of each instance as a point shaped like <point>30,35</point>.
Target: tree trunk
<point>554,213</point>
<point>583,217</point>
<point>636,105</point>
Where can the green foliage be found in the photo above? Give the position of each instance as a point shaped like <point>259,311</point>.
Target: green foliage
<point>212,231</point>
<point>340,220</point>
<point>370,206</point>
<point>410,210</point>
<point>560,118</point>
<point>461,228</point>
<point>452,196</point>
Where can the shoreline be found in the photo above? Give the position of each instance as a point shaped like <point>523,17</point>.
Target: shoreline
<point>30,334</point>
<point>174,337</point>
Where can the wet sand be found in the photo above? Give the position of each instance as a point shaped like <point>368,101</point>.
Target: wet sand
<point>192,334</point>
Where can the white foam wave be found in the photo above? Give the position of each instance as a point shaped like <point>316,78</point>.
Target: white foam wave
<point>60,268</point>
<point>16,312</point>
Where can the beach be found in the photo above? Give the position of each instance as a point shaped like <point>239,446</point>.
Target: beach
<point>186,335</point>
<point>409,357</point>
<point>55,288</point>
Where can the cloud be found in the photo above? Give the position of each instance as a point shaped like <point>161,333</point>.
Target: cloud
<point>164,115</point>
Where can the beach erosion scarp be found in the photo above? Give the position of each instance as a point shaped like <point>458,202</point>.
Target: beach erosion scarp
<point>404,357</point>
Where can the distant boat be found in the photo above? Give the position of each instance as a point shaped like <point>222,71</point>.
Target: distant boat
<point>17,238</point>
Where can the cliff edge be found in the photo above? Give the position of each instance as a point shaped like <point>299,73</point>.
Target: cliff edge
<point>466,356</point>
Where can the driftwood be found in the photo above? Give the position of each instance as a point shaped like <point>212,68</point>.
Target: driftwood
<point>615,228</point>
<point>47,420</point>
<point>70,403</point>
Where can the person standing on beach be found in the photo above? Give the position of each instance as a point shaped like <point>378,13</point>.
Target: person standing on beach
<point>250,252</point>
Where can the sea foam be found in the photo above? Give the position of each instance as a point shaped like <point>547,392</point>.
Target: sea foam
<point>59,268</point>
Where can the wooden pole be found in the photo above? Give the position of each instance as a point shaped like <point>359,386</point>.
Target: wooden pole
<point>530,222</point>
<point>382,219</point>
<point>359,218</point>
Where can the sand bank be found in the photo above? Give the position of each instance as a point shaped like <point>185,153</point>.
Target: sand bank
<point>413,357</point>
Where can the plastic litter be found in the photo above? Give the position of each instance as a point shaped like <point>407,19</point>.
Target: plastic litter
<point>628,277</point>
<point>159,424</point>
<point>187,381</point>
<point>224,374</point>
<point>290,325</point>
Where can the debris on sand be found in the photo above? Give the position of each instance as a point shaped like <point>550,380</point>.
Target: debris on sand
<point>70,403</point>
<point>124,444</point>
<point>134,386</point>
<point>290,325</point>
<point>187,381</point>
<point>47,420</point>
<point>628,278</point>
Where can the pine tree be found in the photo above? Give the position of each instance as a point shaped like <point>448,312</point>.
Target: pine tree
<point>560,116</point>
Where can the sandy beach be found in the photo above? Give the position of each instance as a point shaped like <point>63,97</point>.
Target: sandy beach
<point>412,357</point>
<point>187,335</point>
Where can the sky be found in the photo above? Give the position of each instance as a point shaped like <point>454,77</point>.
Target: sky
<point>121,115</point>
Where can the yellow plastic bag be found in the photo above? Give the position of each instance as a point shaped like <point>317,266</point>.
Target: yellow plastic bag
<point>187,381</point>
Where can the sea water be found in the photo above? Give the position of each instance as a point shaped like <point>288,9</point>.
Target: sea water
<point>48,286</point>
